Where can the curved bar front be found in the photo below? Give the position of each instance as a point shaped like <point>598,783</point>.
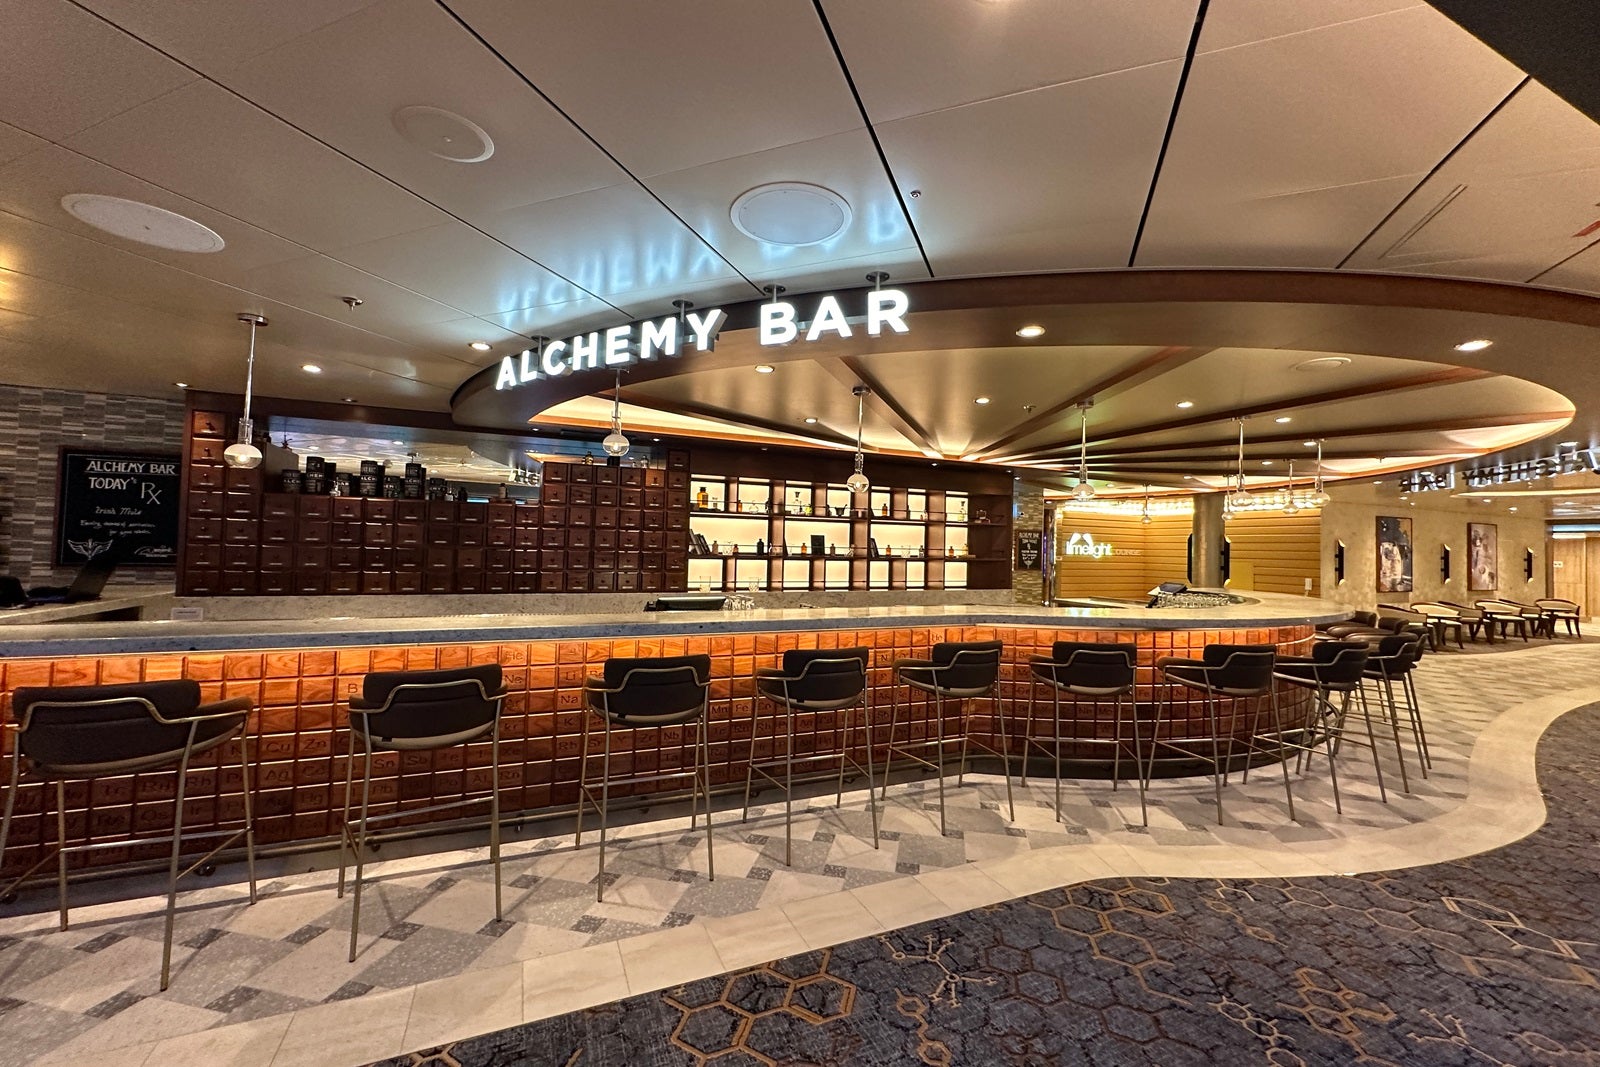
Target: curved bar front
<point>299,675</point>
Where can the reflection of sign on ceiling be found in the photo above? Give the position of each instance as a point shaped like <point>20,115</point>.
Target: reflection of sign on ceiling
<point>1577,461</point>
<point>645,341</point>
<point>1084,544</point>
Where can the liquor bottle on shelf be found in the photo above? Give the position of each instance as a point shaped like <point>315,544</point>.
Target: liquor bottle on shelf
<point>799,508</point>
<point>701,498</point>
<point>885,510</point>
<point>714,549</point>
<point>761,547</point>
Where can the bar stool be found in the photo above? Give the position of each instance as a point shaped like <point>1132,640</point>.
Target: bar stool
<point>1230,672</point>
<point>1396,657</point>
<point>958,671</point>
<point>419,711</point>
<point>1093,672</point>
<point>815,682</point>
<point>643,692</point>
<point>81,733</point>
<point>1333,667</point>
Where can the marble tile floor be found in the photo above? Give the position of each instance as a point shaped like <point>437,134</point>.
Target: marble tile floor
<point>269,984</point>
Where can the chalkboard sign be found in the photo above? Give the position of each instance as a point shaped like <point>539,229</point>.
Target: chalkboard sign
<point>120,502</point>
<point>1028,542</point>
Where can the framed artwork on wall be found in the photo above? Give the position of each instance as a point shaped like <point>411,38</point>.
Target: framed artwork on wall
<point>1483,557</point>
<point>1394,554</point>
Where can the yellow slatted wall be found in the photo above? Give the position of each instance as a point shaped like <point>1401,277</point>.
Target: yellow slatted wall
<point>1281,550</point>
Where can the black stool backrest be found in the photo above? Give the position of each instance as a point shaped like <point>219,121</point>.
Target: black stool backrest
<point>99,724</point>
<point>412,705</point>
<point>656,686</point>
<point>1240,667</point>
<point>1340,663</point>
<point>813,682</point>
<point>1092,665</point>
<point>966,664</point>
<point>1395,655</point>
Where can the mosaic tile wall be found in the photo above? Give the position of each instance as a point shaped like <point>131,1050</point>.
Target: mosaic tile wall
<point>34,424</point>
<point>1027,585</point>
<point>299,735</point>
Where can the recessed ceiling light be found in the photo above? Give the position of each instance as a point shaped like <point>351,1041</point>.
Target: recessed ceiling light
<point>1477,344</point>
<point>397,442</point>
<point>981,400</point>
<point>348,399</point>
<point>1186,403</point>
<point>1567,444</point>
<point>311,368</point>
<point>763,368</point>
<point>1323,363</point>
<point>1511,509</point>
<point>791,214</point>
<point>443,133</point>
<point>811,421</point>
<point>480,346</point>
<point>1031,330</point>
<point>1266,463</point>
<point>181,385</point>
<point>1309,444</point>
<point>145,223</point>
<point>1281,419</point>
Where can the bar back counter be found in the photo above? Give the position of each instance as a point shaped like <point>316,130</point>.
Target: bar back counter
<point>299,674</point>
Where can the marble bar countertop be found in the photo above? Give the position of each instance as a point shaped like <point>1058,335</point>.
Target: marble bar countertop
<point>147,602</point>
<point>118,638</point>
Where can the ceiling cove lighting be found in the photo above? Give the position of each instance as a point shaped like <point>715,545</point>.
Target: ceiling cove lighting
<point>243,453</point>
<point>857,482</point>
<point>1031,331</point>
<point>615,443</point>
<point>1477,344</point>
<point>1083,490</point>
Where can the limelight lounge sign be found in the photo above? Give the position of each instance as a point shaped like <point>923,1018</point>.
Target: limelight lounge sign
<point>778,322</point>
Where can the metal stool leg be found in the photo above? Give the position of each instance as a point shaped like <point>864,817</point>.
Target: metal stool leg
<point>939,747</point>
<point>702,781</point>
<point>750,759</point>
<point>605,806</point>
<point>788,780</point>
<point>361,843</point>
<point>1005,748</point>
<point>172,864</point>
<point>61,849</point>
<point>494,815</point>
<point>247,784</point>
<point>344,819</point>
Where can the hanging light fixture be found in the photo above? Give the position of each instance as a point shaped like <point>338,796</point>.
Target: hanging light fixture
<point>1240,498</point>
<point>1083,490</point>
<point>615,443</point>
<point>1144,516</point>
<point>243,453</point>
<point>858,483</point>
<point>1290,505</point>
<point>1319,496</point>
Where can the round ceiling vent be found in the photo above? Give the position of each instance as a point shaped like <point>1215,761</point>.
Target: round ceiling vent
<point>144,223</point>
<point>790,214</point>
<point>444,134</point>
<point>1323,363</point>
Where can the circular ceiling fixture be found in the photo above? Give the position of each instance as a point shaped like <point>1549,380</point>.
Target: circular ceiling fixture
<point>444,134</point>
<point>1323,363</point>
<point>1477,344</point>
<point>141,222</point>
<point>791,214</point>
<point>1031,331</point>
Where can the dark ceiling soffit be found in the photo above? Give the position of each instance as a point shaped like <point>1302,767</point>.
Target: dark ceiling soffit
<point>1553,40</point>
<point>1439,425</point>
<point>474,400</point>
<point>1136,373</point>
<point>1386,387</point>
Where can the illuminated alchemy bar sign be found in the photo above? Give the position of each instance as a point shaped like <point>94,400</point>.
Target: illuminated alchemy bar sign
<point>1578,461</point>
<point>778,321</point>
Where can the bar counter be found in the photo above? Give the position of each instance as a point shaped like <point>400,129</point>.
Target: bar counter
<point>298,674</point>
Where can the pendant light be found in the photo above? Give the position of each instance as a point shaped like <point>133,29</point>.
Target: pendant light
<point>615,443</point>
<point>1144,516</point>
<point>1240,498</point>
<point>243,453</point>
<point>1291,505</point>
<point>1319,496</point>
<point>858,483</point>
<point>1083,490</point>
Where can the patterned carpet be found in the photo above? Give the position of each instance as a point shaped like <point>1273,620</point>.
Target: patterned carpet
<point>1491,960</point>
